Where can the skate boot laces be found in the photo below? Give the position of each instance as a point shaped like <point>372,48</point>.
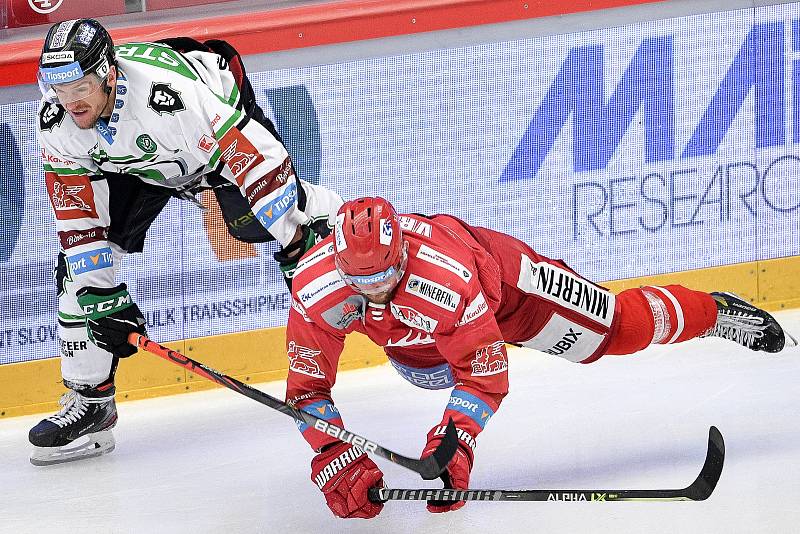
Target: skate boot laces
<point>737,326</point>
<point>73,407</point>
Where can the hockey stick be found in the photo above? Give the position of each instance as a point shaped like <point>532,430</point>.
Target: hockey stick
<point>698,490</point>
<point>429,468</point>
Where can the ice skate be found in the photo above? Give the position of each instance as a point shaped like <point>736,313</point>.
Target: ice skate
<point>82,429</point>
<point>746,325</point>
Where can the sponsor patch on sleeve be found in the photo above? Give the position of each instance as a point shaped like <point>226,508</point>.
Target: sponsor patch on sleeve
<point>76,238</point>
<point>475,309</point>
<point>320,288</point>
<point>471,406</point>
<point>72,196</point>
<point>239,154</point>
<point>91,260</point>
<point>278,205</point>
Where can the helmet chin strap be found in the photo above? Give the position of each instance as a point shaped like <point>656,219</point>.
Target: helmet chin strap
<point>107,90</point>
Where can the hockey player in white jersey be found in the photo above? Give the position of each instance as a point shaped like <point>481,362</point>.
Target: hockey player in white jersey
<point>121,131</point>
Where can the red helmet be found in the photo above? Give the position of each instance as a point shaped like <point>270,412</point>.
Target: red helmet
<point>370,252</point>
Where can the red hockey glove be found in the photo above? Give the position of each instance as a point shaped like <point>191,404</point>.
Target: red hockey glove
<point>456,476</point>
<point>344,473</point>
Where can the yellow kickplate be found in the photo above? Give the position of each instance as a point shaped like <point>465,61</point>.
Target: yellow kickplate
<point>260,355</point>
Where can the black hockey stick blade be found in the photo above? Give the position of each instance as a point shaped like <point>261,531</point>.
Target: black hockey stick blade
<point>429,467</point>
<point>703,486</point>
<point>435,464</point>
<point>699,490</point>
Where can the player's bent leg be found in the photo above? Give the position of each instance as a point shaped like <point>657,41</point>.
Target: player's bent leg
<point>82,428</point>
<point>659,315</point>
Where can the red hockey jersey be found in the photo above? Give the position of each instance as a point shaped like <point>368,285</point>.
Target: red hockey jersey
<point>439,330</point>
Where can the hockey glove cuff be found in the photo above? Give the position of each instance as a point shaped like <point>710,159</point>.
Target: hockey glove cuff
<point>111,315</point>
<point>344,473</point>
<point>456,476</point>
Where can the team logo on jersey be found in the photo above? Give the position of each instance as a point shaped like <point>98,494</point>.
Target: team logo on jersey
<point>301,360</point>
<point>344,313</point>
<point>410,339</point>
<point>146,143</point>
<point>165,99</point>
<point>433,292</point>
<point>413,318</point>
<point>206,144</point>
<point>490,360</point>
<point>72,196</point>
<point>239,154</point>
<point>50,116</point>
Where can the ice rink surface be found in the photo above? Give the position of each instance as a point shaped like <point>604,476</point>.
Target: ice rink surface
<point>216,462</point>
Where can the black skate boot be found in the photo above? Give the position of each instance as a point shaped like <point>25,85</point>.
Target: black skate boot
<point>746,325</point>
<point>82,429</point>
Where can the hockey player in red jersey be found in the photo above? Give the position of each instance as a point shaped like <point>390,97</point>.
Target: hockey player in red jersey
<point>442,298</point>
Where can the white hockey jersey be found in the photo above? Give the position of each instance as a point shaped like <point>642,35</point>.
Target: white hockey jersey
<point>176,116</point>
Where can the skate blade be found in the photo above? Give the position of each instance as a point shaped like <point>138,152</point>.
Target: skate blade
<point>97,444</point>
<point>790,337</point>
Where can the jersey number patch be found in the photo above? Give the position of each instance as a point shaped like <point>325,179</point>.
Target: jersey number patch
<point>165,99</point>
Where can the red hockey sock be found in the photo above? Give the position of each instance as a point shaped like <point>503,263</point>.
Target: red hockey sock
<point>655,314</point>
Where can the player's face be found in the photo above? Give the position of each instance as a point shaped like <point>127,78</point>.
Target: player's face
<point>381,298</point>
<point>379,287</point>
<point>93,103</point>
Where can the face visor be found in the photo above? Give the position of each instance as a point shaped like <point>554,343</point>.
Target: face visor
<point>68,83</point>
<point>378,283</point>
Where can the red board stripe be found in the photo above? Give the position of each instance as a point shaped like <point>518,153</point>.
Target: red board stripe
<point>322,24</point>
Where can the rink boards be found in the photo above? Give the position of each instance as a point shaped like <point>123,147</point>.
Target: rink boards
<point>631,152</point>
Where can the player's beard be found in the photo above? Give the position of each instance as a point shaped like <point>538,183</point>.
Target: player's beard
<point>90,114</point>
<point>87,119</point>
